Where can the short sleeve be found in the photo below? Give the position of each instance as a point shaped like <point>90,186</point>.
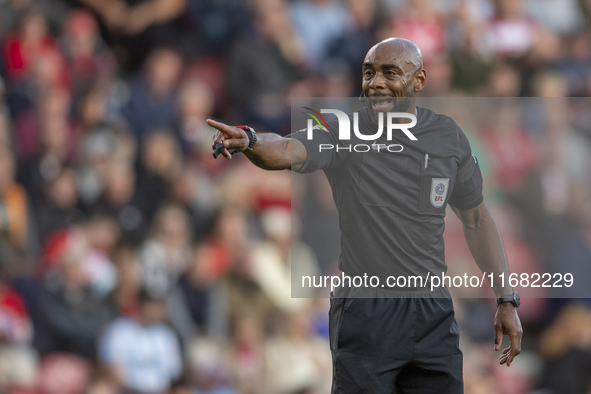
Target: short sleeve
<point>321,150</point>
<point>467,192</point>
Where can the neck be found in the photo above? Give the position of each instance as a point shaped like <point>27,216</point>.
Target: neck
<point>412,109</point>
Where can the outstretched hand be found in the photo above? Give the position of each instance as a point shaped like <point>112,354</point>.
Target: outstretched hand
<point>507,323</point>
<point>230,137</point>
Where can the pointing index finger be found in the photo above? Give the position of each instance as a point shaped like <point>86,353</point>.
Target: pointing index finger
<point>222,127</point>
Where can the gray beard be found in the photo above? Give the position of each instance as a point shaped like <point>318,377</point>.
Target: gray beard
<point>402,104</point>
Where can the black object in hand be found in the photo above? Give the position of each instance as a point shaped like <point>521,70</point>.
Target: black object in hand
<point>219,148</point>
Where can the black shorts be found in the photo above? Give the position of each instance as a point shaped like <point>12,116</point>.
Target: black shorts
<point>394,345</point>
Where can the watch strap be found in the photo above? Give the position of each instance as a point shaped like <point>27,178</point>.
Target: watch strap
<point>509,298</point>
<point>252,136</point>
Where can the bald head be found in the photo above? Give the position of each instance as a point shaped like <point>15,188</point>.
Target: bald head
<point>405,50</point>
<point>393,69</point>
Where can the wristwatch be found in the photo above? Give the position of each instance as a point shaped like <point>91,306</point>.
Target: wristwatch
<point>252,136</point>
<point>252,139</point>
<point>511,298</point>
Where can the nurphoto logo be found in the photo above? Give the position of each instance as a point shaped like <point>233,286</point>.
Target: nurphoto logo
<point>344,132</point>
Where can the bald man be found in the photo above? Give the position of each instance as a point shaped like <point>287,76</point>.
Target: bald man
<point>391,215</point>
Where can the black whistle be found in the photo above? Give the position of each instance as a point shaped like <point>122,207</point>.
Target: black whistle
<point>219,148</point>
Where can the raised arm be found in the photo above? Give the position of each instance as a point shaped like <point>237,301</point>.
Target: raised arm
<point>271,151</point>
<point>484,240</point>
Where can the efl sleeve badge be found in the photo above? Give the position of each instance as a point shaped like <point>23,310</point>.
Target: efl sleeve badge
<point>439,187</point>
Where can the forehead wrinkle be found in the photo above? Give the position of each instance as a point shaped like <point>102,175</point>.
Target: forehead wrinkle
<point>383,65</point>
<point>391,65</point>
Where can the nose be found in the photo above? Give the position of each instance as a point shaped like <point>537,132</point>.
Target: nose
<point>377,82</point>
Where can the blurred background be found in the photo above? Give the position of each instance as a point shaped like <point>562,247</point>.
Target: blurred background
<point>131,261</point>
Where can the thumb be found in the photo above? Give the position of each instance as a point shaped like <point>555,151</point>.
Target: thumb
<point>498,338</point>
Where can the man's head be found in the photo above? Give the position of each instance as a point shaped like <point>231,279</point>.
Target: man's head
<point>393,75</point>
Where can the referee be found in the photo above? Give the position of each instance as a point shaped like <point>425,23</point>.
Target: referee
<point>391,214</point>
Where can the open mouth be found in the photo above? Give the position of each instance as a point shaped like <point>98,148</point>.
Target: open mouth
<point>382,104</point>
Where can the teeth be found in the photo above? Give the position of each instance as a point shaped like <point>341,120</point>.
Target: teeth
<point>382,102</point>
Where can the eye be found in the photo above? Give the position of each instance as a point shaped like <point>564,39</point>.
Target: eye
<point>367,73</point>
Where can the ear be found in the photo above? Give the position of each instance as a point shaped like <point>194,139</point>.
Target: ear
<point>420,80</point>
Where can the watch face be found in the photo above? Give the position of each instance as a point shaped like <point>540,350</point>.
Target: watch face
<point>516,299</point>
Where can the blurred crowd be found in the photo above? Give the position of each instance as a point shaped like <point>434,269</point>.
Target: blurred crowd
<point>131,261</point>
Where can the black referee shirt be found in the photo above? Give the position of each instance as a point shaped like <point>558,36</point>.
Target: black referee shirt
<point>392,204</point>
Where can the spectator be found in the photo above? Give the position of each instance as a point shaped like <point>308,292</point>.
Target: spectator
<point>46,130</point>
<point>70,315</point>
<point>89,61</point>
<point>246,353</point>
<point>214,25</point>
<point>421,22</point>
<point>197,303</point>
<point>566,348</point>
<point>318,23</point>
<point>136,28</point>
<point>167,251</point>
<point>43,168</point>
<point>575,64</point>
<point>295,360</point>
<point>227,242</point>
<point>195,105</point>
<point>121,201</point>
<point>154,93</point>
<point>124,299</point>
<point>64,373</point>
<point>60,207</point>
<point>440,78</point>
<point>142,354</point>
<point>196,192</point>
<point>349,47</point>
<point>101,234</point>
<point>15,229</point>
<point>18,359</point>
<point>160,163</point>
<point>503,81</point>
<point>27,44</point>
<point>101,149</point>
<point>563,17</point>
<point>510,148</point>
<point>513,35</point>
<point>208,366</point>
<point>32,60</point>
<point>262,67</point>
<point>94,239</point>
<point>91,110</point>
<point>553,197</point>
<point>571,255</point>
<point>271,261</point>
